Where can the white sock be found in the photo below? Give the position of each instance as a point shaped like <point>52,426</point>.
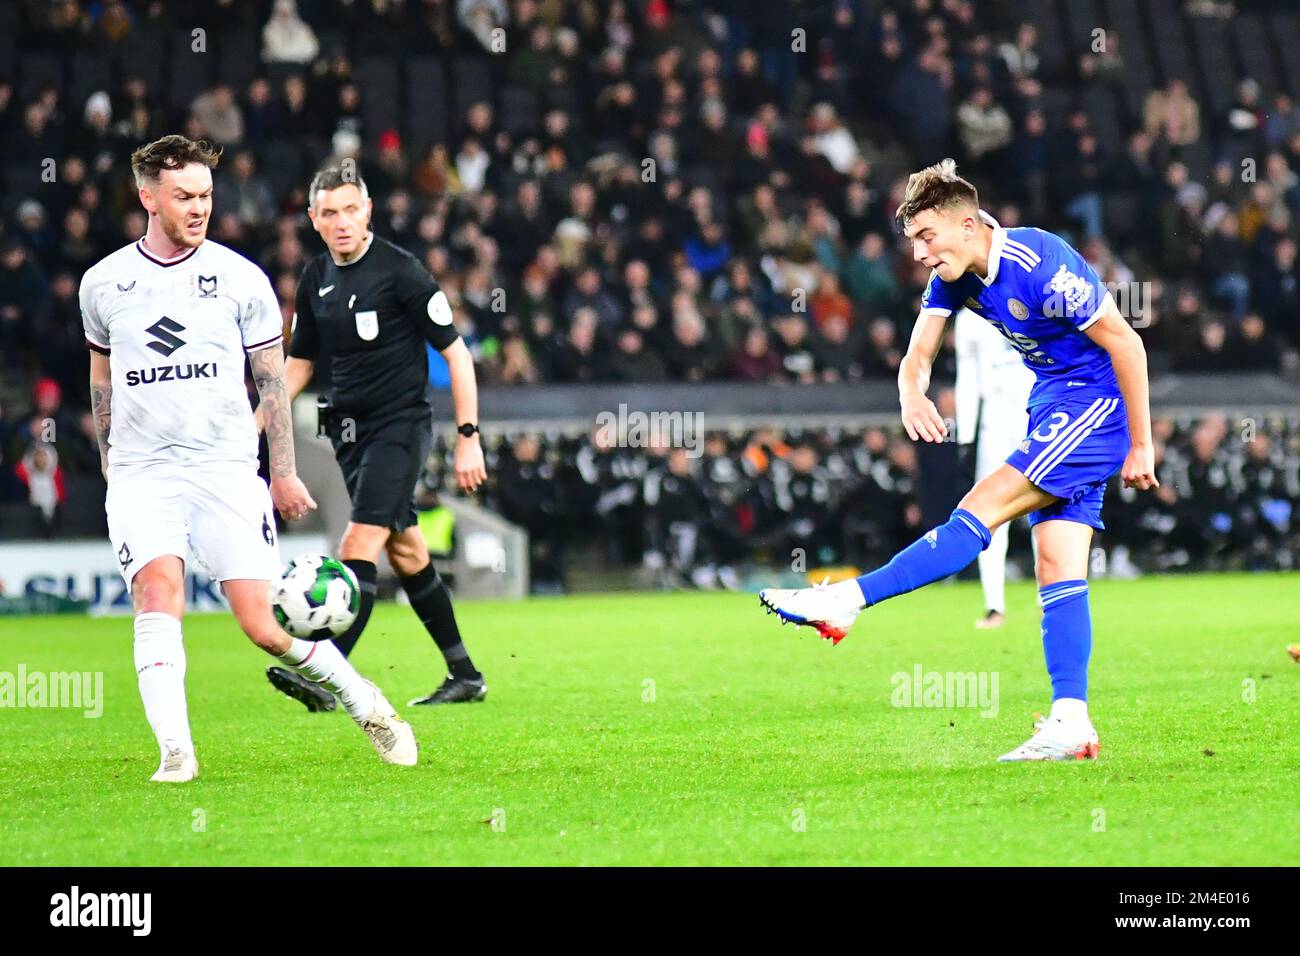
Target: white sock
<point>160,670</point>
<point>993,572</point>
<point>847,591</point>
<point>322,663</point>
<point>1070,709</point>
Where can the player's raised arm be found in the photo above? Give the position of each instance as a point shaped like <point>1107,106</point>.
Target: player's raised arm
<point>1128,356</point>
<point>920,417</point>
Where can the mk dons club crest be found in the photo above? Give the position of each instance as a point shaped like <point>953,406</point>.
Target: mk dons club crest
<point>205,286</point>
<point>1018,309</point>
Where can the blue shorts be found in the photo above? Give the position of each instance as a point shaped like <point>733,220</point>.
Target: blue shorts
<point>1072,449</point>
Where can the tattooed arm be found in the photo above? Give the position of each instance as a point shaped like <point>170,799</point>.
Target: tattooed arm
<point>287,491</point>
<point>101,404</point>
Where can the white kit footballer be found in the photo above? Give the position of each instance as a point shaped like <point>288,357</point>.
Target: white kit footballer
<point>182,462</point>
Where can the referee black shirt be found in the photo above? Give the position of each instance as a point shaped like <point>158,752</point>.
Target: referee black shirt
<point>370,319</point>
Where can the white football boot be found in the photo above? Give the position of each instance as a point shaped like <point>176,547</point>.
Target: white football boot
<point>391,735</point>
<point>177,767</point>
<point>830,608</point>
<point>1057,739</point>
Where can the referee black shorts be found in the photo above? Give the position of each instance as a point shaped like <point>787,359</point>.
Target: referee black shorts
<point>382,466</point>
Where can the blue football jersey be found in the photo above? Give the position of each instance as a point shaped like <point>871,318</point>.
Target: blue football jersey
<point>1041,294</point>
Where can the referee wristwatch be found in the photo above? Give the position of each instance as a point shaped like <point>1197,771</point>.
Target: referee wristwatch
<point>469,429</point>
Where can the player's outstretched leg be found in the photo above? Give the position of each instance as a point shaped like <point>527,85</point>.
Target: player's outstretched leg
<point>945,550</point>
<point>832,609</point>
<point>431,602</point>
<point>323,664</point>
<point>1062,558</point>
<point>158,593</point>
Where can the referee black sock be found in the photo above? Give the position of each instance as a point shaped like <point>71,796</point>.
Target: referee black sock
<point>366,575</point>
<point>432,605</point>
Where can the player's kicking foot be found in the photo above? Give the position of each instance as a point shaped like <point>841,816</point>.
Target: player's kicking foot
<point>990,620</point>
<point>391,735</point>
<point>831,609</point>
<point>312,696</point>
<point>177,767</point>
<point>1057,739</point>
<point>1294,651</point>
<point>454,690</point>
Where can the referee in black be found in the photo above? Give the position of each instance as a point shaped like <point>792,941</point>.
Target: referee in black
<point>366,307</point>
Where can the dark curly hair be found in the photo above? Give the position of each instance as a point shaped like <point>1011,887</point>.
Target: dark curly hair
<point>171,152</point>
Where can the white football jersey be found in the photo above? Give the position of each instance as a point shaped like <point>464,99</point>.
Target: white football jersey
<point>176,332</point>
<point>993,382</point>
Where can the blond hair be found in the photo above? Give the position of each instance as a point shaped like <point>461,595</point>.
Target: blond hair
<point>935,187</point>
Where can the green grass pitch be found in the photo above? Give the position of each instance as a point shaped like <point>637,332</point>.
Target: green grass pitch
<point>689,729</point>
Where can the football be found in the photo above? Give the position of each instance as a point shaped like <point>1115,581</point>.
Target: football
<point>316,597</point>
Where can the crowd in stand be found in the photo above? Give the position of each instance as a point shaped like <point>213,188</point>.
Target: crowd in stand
<point>642,191</point>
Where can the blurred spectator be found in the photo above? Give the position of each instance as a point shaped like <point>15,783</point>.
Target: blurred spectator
<point>983,127</point>
<point>286,38</point>
<point>633,362</point>
<point>1172,115</point>
<point>24,293</point>
<point>218,115</point>
<point>43,480</point>
<point>756,361</point>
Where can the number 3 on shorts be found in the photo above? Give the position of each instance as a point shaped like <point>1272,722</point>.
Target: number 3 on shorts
<point>1050,429</point>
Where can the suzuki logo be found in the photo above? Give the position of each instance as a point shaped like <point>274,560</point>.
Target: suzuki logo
<point>163,330</point>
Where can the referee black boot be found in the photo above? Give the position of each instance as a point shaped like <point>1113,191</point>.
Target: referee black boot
<point>455,690</point>
<point>312,696</point>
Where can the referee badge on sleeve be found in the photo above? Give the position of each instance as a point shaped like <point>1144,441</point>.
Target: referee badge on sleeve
<point>439,308</point>
<point>368,325</point>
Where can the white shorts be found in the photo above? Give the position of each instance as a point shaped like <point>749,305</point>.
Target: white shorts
<point>998,438</point>
<point>220,512</point>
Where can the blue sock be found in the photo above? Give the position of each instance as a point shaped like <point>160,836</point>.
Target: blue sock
<point>1067,637</point>
<point>944,551</point>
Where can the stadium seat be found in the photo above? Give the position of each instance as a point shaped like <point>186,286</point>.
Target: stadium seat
<point>1216,64</point>
<point>36,70</point>
<point>1286,31</point>
<point>1052,54</point>
<point>189,71</point>
<point>8,52</point>
<point>519,110</point>
<point>1081,18</point>
<point>90,72</point>
<point>141,53</point>
<point>426,102</point>
<point>381,104</point>
<point>1102,107</point>
<point>1171,42</point>
<point>238,57</point>
<point>283,164</point>
<point>473,78</point>
<point>1256,51</point>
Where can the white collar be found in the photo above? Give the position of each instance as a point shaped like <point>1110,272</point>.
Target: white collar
<point>995,247</point>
